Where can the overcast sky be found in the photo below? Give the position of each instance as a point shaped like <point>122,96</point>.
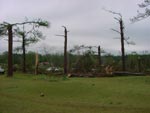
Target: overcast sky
<point>87,23</point>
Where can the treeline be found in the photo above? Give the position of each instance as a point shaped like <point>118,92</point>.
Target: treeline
<point>86,62</point>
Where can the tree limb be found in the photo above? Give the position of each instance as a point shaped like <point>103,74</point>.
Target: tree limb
<point>115,30</point>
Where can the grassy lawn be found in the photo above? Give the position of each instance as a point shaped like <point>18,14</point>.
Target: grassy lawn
<point>21,94</point>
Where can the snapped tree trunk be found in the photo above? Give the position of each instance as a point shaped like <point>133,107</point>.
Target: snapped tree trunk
<point>24,53</point>
<point>65,53</point>
<point>10,56</point>
<point>139,64</point>
<point>99,55</point>
<point>122,45</point>
<point>36,63</point>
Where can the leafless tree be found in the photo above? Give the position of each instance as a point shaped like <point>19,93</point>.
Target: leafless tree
<point>121,32</point>
<point>65,50</point>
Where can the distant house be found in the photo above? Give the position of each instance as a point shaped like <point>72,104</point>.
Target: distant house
<point>44,63</point>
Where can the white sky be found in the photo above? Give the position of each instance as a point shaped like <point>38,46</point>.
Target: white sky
<point>87,23</point>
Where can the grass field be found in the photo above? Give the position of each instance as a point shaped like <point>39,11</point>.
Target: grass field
<point>21,94</point>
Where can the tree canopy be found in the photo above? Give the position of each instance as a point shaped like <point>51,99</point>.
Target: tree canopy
<point>142,15</point>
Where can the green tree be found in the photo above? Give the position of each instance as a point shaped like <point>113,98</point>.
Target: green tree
<point>86,62</point>
<point>28,37</point>
<point>7,28</point>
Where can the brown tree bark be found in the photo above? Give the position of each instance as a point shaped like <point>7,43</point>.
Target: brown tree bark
<point>122,45</point>
<point>99,55</point>
<point>36,63</point>
<point>65,52</point>
<point>24,53</point>
<point>10,56</point>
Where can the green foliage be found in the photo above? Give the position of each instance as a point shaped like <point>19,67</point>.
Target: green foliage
<point>43,23</point>
<point>108,59</point>
<point>86,62</point>
<point>83,95</point>
<point>3,31</point>
<point>132,62</point>
<point>81,63</point>
<point>3,57</point>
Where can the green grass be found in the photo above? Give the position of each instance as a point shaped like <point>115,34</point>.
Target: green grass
<point>21,94</point>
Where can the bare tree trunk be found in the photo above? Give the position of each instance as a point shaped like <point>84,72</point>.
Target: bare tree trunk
<point>122,45</point>
<point>99,55</point>
<point>65,53</point>
<point>36,63</point>
<point>139,64</point>
<point>24,53</point>
<point>10,56</point>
